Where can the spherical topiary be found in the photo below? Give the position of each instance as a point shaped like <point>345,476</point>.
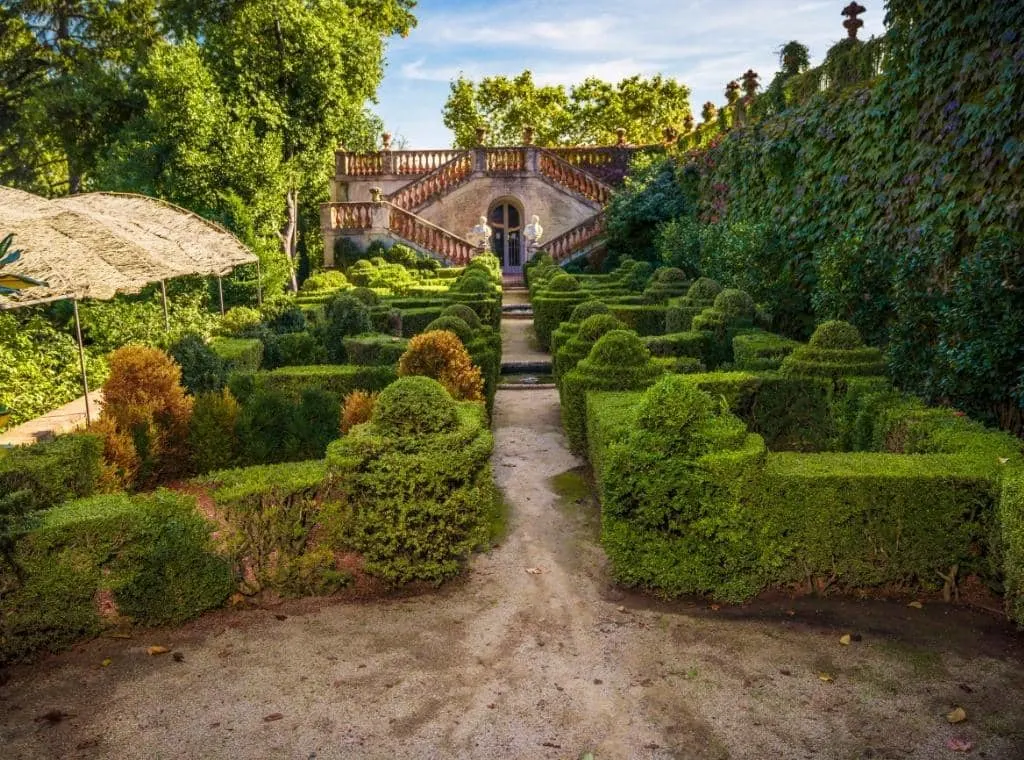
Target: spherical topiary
<point>704,289</point>
<point>367,296</point>
<point>361,272</point>
<point>463,312</point>
<point>836,334</point>
<point>452,324</point>
<point>639,275</point>
<point>596,325</point>
<point>670,274</point>
<point>619,348</point>
<point>588,309</point>
<point>329,279</point>
<point>563,283</point>
<point>735,304</point>
<point>415,405</point>
<point>239,320</point>
<point>345,315</point>
<point>473,282</point>
<point>401,254</point>
<point>378,261</point>
<point>686,420</point>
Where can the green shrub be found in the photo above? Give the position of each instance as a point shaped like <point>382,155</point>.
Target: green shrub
<point>579,345</point>
<point>691,344</point>
<point>552,309</point>
<point>463,312</point>
<point>415,320</point>
<point>150,554</point>
<point>1010,518</point>
<point>239,319</point>
<point>344,316</point>
<point>638,276</point>
<point>681,311</point>
<point>588,309</point>
<point>375,349</point>
<point>760,351</point>
<point>277,517</point>
<point>267,428</point>
<point>704,291</point>
<point>563,283</point>
<point>618,361</point>
<point>368,297</point>
<point>46,474</point>
<point>454,325</point>
<point>849,358</point>
<point>239,354</point>
<point>292,349</point>
<point>212,441</point>
<point>317,421</point>
<point>642,319</point>
<point>202,369</point>
<point>361,272</point>
<point>415,503</point>
<point>327,279</point>
<point>339,379</point>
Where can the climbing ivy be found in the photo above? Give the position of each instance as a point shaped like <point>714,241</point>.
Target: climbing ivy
<point>897,196</point>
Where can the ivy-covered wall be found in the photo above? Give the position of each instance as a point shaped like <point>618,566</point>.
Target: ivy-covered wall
<point>896,203</point>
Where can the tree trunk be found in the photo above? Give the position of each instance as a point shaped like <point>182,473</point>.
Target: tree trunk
<point>289,235</point>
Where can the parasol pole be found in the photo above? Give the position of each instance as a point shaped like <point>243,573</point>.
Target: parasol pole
<point>167,319</point>
<point>81,363</point>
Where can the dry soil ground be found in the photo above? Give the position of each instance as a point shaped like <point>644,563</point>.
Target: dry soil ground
<point>533,655</point>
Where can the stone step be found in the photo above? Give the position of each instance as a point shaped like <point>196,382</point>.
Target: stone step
<point>538,367</point>
<point>526,315</point>
<point>526,386</point>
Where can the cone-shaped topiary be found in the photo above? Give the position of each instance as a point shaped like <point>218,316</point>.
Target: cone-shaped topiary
<point>836,350</point>
<point>619,361</point>
<point>732,308</point>
<point>463,312</point>
<point>415,405</point>
<point>579,345</point>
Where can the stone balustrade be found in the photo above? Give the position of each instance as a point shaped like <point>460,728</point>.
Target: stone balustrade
<point>576,239</point>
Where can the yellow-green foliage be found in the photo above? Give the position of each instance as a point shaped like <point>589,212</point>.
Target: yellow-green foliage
<point>1011,534</point>
<point>149,555</point>
<point>415,489</point>
<point>439,354</point>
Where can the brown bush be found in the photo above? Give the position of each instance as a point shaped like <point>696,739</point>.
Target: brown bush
<point>440,354</point>
<point>357,409</point>
<point>145,417</point>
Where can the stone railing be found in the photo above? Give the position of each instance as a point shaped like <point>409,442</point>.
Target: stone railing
<point>349,216</point>
<point>504,160</point>
<point>419,231</point>
<point>441,180</point>
<point>607,164</point>
<point>576,180</point>
<point>579,237</point>
<point>396,162</point>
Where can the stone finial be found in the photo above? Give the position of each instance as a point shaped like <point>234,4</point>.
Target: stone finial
<point>852,23</point>
<point>688,122</point>
<point>386,141</point>
<point>527,135</point>
<point>620,136</point>
<point>708,112</point>
<point>750,83</point>
<point>376,195</point>
<point>732,92</point>
<point>481,135</point>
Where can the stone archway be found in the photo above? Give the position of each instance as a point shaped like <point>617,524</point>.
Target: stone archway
<point>505,217</point>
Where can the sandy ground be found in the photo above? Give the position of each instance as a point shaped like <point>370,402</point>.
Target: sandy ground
<point>518,342</point>
<point>554,663</point>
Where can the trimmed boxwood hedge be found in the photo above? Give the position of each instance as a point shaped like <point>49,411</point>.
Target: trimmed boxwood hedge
<point>552,309</point>
<point>150,554</point>
<point>241,354</point>
<point>415,321</point>
<point>760,350</point>
<point>643,319</point>
<point>49,473</point>
<point>338,379</point>
<point>375,349</point>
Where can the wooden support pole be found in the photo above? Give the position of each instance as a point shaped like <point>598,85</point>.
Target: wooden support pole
<point>81,363</point>
<point>167,319</point>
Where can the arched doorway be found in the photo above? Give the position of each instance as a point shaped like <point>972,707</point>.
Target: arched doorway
<point>506,221</point>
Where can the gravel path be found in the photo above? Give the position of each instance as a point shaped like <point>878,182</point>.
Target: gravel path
<point>532,655</point>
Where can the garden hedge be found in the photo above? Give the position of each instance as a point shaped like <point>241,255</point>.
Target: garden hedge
<point>415,485</point>
<point>760,351</point>
<point>338,379</point>
<point>93,563</point>
<point>374,349</point>
<point>552,309</point>
<point>49,473</point>
<point>241,354</point>
<point>642,319</point>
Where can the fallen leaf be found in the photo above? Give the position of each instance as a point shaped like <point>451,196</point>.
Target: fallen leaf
<point>845,639</point>
<point>106,662</point>
<point>535,570</point>
<point>178,657</point>
<point>158,650</point>
<point>1003,460</point>
<point>916,605</point>
<point>956,715</point>
<point>825,677</point>
<point>716,607</point>
<point>272,717</point>
<point>958,744</point>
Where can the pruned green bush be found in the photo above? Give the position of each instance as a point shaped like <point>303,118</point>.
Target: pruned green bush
<point>292,349</point>
<point>588,309</point>
<point>212,441</point>
<point>267,428</point>
<point>618,361</point>
<point>328,279</point>
<point>563,283</point>
<point>848,358</point>
<point>202,368</point>
<point>344,316</point>
<point>453,324</point>
<point>580,344</point>
<point>415,484</point>
<point>239,354</point>
<point>1011,537</point>
<point>683,344</point>
<point>760,351</point>
<point>91,563</point>
<point>239,320</point>
<point>463,312</point>
<point>375,349</point>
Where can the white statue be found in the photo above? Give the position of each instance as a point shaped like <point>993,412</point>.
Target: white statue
<point>534,232</point>
<point>480,236</point>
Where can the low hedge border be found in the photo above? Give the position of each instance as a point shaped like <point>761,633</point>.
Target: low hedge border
<point>339,379</point>
<point>241,354</point>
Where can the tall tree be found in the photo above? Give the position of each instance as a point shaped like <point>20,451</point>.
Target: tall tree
<point>588,113</point>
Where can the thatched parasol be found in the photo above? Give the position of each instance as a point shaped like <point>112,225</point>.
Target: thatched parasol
<point>100,244</point>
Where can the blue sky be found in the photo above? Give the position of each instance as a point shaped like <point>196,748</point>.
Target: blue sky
<point>703,43</point>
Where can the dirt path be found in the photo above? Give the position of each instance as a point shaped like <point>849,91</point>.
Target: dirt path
<point>512,664</point>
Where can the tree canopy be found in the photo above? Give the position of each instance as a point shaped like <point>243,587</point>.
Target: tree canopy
<point>586,114</point>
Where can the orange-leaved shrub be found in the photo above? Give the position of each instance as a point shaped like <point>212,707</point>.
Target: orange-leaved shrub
<point>357,409</point>
<point>439,354</point>
<point>145,418</point>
